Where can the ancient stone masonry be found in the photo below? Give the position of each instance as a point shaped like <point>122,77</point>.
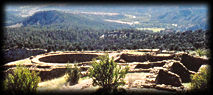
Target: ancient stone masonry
<point>71,58</point>
<point>144,57</point>
<point>143,66</point>
<point>133,58</point>
<point>53,65</point>
<point>52,73</point>
<point>193,63</point>
<point>168,78</point>
<point>158,63</point>
<point>179,69</point>
<point>147,65</point>
<point>167,70</point>
<point>160,57</point>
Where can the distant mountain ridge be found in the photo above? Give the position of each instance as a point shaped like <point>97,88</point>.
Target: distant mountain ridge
<point>45,18</point>
<point>54,17</point>
<point>180,18</point>
<point>12,19</point>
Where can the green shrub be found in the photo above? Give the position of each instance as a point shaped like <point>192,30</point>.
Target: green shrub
<point>200,79</point>
<point>73,75</point>
<point>202,52</point>
<point>106,73</point>
<point>21,81</point>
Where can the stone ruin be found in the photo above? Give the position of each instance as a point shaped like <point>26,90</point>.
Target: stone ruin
<point>71,58</point>
<point>168,69</point>
<point>168,78</point>
<point>193,63</point>
<point>54,65</point>
<point>146,57</point>
<point>179,69</point>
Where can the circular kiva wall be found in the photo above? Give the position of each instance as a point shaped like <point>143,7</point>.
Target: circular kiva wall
<point>63,58</point>
<point>71,58</point>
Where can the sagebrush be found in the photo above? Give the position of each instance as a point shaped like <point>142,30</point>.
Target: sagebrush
<point>73,75</point>
<point>21,81</point>
<point>200,79</point>
<point>106,73</point>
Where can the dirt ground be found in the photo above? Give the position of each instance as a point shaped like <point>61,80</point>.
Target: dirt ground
<point>85,85</point>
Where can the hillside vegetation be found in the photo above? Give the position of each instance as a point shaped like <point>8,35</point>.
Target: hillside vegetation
<point>104,28</point>
<point>59,19</point>
<point>90,39</point>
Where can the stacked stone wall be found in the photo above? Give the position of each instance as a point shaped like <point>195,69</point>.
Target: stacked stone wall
<point>71,58</point>
<point>193,63</point>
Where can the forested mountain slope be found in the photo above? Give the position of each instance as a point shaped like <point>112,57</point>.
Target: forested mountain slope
<point>61,19</point>
<point>88,39</point>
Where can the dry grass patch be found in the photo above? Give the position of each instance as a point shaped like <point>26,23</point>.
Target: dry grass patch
<point>53,84</point>
<point>60,84</point>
